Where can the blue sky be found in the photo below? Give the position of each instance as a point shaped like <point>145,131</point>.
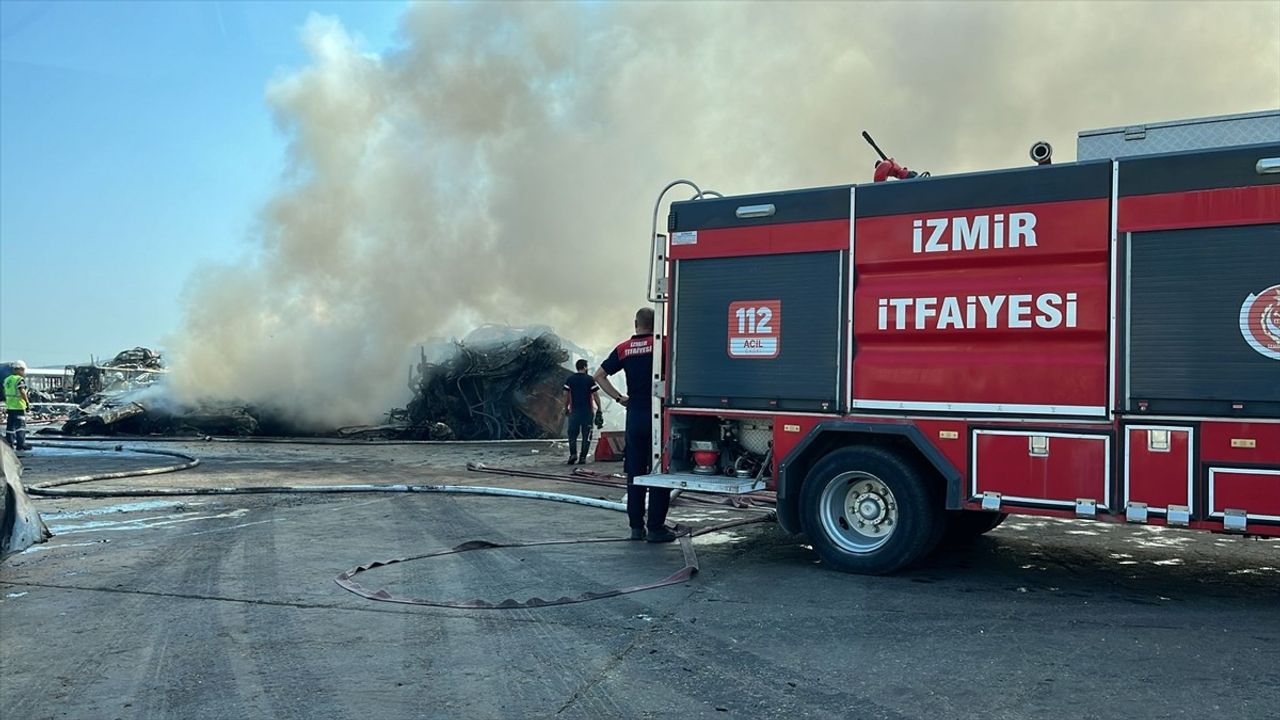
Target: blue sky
<point>135,144</point>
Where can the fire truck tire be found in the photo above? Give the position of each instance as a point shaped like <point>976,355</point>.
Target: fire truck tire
<point>867,511</point>
<point>965,525</point>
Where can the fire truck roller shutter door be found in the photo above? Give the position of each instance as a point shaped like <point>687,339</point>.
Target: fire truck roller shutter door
<point>1203,305</point>
<point>760,332</point>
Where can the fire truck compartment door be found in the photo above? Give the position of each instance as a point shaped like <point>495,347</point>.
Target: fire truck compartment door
<point>759,332</point>
<point>1158,468</point>
<point>1203,309</point>
<point>1251,493</point>
<point>1042,469</point>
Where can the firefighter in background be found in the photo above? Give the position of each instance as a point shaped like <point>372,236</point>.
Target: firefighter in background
<point>15,406</point>
<point>634,357</point>
<point>581,395</point>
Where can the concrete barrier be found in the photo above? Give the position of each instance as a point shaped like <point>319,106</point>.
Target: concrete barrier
<point>20,523</point>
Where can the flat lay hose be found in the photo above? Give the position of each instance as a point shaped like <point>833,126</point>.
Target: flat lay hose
<point>346,580</point>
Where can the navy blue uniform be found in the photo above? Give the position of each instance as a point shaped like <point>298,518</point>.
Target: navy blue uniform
<point>634,357</point>
<point>580,387</point>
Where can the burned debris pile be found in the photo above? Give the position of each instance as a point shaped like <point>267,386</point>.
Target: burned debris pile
<point>139,358</point>
<point>125,396</point>
<point>150,414</point>
<point>128,370</point>
<point>120,395</point>
<point>497,384</point>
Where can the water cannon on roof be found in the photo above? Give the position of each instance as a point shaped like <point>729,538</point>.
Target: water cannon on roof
<point>887,167</point>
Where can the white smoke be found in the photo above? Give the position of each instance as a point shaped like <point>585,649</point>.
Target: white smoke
<point>501,165</point>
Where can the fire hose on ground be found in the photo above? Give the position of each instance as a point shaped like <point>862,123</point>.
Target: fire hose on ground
<point>346,580</point>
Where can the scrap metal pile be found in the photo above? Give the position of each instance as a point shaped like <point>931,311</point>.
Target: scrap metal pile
<point>497,384</point>
<point>114,396</point>
<point>128,370</point>
<point>150,414</point>
<point>125,395</point>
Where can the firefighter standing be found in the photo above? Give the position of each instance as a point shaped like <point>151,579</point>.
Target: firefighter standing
<point>15,405</point>
<point>581,394</point>
<point>635,358</point>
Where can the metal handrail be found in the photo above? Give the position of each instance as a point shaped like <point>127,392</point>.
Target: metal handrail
<point>650,290</point>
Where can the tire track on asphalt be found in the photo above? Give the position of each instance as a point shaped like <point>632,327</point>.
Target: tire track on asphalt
<point>544,665</point>
<point>755,687</point>
<point>467,640</point>
<point>585,693</point>
<point>95,676</point>
<point>190,662</point>
<point>275,664</point>
<point>30,698</point>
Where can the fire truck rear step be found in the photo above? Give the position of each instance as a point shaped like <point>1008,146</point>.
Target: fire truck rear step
<point>718,484</point>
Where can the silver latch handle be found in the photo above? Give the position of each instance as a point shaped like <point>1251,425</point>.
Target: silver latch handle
<point>1267,166</point>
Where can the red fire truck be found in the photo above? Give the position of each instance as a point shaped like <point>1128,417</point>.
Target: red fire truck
<point>908,359</point>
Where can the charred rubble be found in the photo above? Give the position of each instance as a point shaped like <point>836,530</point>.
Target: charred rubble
<point>125,395</point>
<point>129,370</point>
<point>498,383</point>
<point>56,394</point>
<point>134,414</point>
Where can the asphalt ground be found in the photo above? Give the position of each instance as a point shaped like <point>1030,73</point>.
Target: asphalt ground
<point>226,607</point>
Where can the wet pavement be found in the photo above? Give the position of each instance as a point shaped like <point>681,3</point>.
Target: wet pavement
<point>226,607</point>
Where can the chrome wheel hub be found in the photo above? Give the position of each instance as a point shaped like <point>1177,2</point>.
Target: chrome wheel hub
<point>859,512</point>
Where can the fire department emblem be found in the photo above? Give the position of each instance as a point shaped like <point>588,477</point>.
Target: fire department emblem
<point>1260,322</point>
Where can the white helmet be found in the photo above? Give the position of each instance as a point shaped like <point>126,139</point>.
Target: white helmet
<point>19,365</point>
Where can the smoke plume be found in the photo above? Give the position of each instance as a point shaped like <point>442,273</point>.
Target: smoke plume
<point>500,164</point>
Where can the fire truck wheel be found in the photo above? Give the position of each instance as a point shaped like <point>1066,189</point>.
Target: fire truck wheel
<point>968,524</point>
<point>867,511</point>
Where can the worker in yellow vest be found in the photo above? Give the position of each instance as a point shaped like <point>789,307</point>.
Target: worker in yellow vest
<point>15,406</point>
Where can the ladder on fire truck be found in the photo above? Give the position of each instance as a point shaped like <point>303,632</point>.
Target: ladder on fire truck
<point>658,293</point>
